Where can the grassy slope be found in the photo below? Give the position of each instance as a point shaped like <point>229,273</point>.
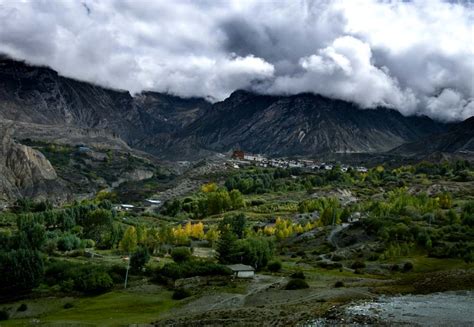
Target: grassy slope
<point>110,309</point>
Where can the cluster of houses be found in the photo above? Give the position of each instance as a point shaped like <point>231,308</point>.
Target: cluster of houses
<point>242,158</point>
<point>130,207</point>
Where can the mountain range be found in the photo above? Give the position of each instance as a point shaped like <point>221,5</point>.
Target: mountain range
<point>171,127</point>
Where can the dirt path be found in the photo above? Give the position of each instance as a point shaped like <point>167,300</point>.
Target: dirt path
<point>259,284</point>
<point>332,235</point>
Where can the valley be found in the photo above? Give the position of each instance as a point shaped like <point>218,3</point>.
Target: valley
<point>347,237</point>
<point>120,209</point>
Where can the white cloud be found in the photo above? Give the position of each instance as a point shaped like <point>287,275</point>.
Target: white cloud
<point>412,56</point>
<point>344,70</point>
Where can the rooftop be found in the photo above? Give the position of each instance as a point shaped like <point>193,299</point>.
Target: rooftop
<point>241,267</point>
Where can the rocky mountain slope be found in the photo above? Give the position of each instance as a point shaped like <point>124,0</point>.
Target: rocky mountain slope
<point>39,95</point>
<point>175,128</point>
<point>25,172</point>
<point>303,124</point>
<point>459,139</point>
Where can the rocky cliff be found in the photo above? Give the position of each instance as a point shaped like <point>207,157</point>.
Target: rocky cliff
<point>25,172</point>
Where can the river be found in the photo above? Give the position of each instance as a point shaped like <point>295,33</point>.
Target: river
<point>436,309</point>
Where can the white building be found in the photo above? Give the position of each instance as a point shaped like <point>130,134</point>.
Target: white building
<point>125,207</point>
<point>153,202</point>
<point>251,157</point>
<point>242,271</point>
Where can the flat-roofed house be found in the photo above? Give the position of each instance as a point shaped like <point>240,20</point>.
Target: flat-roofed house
<point>242,271</point>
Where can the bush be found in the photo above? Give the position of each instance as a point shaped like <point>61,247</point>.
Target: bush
<point>69,242</point>
<point>88,243</point>
<point>408,266</point>
<point>274,266</point>
<point>180,294</point>
<point>298,274</point>
<point>23,307</point>
<point>93,281</point>
<point>188,269</point>
<point>296,284</point>
<point>181,254</point>
<point>68,305</point>
<point>4,315</point>
<point>117,272</point>
<point>339,284</point>
<point>358,265</point>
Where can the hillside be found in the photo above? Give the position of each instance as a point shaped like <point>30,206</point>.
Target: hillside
<point>459,139</point>
<point>303,124</point>
<point>39,95</point>
<point>176,128</point>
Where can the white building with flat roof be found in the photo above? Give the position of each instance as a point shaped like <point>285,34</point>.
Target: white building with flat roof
<point>242,271</point>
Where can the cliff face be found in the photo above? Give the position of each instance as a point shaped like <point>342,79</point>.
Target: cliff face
<point>26,172</point>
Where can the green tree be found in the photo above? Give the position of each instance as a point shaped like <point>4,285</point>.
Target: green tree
<point>254,251</point>
<point>139,258</point>
<point>96,223</point>
<point>20,270</point>
<point>236,223</point>
<point>236,199</point>
<point>226,246</point>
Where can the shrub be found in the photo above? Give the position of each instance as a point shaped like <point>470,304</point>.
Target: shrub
<point>274,266</point>
<point>358,265</point>
<point>88,243</point>
<point>181,254</point>
<point>298,274</point>
<point>339,284</point>
<point>296,284</point>
<point>68,305</point>
<point>4,315</point>
<point>67,286</point>
<point>93,281</point>
<point>180,294</point>
<point>408,266</point>
<point>23,307</point>
<point>188,269</point>
<point>69,242</point>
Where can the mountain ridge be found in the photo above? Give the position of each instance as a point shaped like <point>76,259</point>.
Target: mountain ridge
<point>171,127</point>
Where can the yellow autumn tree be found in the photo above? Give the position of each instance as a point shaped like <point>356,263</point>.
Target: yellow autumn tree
<point>212,235</point>
<point>209,187</point>
<point>129,243</point>
<point>197,230</point>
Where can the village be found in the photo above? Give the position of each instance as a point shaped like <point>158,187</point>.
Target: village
<point>240,157</point>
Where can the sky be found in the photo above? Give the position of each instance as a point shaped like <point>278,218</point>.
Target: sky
<point>413,56</point>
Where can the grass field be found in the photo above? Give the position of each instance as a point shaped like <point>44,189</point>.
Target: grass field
<point>115,308</point>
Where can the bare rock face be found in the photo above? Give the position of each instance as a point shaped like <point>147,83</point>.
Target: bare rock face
<point>25,172</point>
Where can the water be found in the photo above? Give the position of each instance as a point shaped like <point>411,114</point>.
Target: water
<point>437,309</point>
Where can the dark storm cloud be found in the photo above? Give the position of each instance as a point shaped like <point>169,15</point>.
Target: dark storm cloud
<point>414,56</point>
